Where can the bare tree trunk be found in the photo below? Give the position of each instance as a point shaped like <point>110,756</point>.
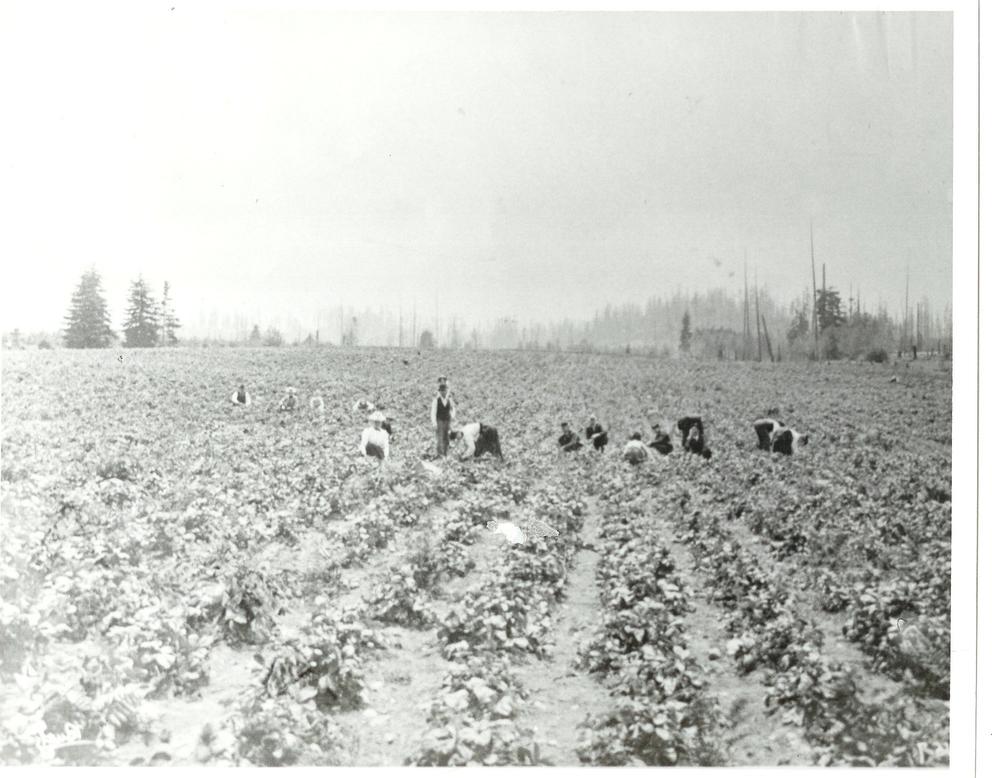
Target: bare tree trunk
<point>768,340</point>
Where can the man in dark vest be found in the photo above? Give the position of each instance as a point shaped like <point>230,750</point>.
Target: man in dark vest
<point>442,414</point>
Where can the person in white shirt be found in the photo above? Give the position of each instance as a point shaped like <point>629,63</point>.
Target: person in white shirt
<point>241,397</point>
<point>368,407</point>
<point>477,439</point>
<point>375,440</point>
<point>635,451</point>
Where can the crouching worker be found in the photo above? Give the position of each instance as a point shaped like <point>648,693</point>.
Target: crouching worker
<point>477,439</point>
<point>596,433</point>
<point>288,402</point>
<point>634,451</point>
<point>662,442</point>
<point>766,430</point>
<point>785,438</point>
<point>375,440</point>
<point>568,441</point>
<point>776,437</point>
<point>693,439</point>
<point>241,397</point>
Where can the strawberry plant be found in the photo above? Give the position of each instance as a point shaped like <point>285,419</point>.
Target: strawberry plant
<point>324,663</point>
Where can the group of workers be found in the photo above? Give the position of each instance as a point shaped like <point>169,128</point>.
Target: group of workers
<point>476,438</point>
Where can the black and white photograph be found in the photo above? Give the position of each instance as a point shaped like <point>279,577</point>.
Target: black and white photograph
<point>489,387</point>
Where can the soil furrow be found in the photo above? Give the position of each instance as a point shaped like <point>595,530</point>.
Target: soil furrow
<point>560,696</point>
<point>752,736</point>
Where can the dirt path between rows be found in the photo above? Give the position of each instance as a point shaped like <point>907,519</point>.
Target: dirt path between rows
<point>401,681</point>
<point>751,736</point>
<point>560,696</point>
<point>836,647</point>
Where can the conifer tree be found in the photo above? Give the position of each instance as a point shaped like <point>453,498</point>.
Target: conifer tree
<point>88,321</point>
<point>141,327</point>
<point>169,321</point>
<point>686,335</point>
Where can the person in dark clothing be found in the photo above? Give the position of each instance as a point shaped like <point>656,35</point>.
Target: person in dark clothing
<point>478,439</point>
<point>241,397</point>
<point>688,423</point>
<point>774,436</point>
<point>766,429</point>
<point>662,442</point>
<point>693,439</point>
<point>568,441</point>
<point>596,433</point>
<point>784,439</point>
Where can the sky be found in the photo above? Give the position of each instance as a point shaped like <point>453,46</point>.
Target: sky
<point>270,161</point>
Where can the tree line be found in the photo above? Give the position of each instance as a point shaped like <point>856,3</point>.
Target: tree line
<point>148,321</point>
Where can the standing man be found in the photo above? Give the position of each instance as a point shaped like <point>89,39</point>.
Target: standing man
<point>442,414</point>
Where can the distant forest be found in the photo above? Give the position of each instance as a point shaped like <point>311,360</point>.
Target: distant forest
<point>720,326</point>
<point>714,325</point>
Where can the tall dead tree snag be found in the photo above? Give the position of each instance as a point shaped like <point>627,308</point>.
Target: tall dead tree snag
<point>757,319</point>
<point>747,318</point>
<point>768,341</point>
<point>812,266</point>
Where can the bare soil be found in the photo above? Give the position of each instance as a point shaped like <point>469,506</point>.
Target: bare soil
<point>560,696</point>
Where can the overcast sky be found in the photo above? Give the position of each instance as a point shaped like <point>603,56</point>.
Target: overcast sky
<point>531,165</point>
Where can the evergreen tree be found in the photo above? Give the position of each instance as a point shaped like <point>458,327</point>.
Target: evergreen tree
<point>272,337</point>
<point>829,311</point>
<point>255,339</point>
<point>426,339</point>
<point>141,327</point>
<point>686,335</point>
<point>169,321</point>
<point>88,321</point>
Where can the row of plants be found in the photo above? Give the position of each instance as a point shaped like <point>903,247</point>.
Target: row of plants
<point>663,715</point>
<point>879,552</point>
<point>505,615</point>
<point>406,592</point>
<point>822,696</point>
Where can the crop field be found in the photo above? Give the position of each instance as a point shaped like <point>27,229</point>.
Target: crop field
<point>186,581</point>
